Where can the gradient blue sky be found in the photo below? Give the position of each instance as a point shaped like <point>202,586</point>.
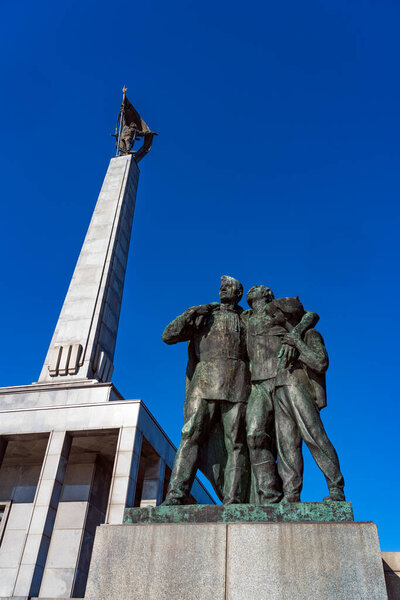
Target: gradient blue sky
<point>277,163</point>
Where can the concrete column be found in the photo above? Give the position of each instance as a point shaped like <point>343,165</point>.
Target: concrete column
<point>43,515</point>
<point>84,340</point>
<point>66,540</point>
<point>153,482</point>
<point>124,477</point>
<point>81,508</point>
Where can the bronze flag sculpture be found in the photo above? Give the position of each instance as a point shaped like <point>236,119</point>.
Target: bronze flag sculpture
<point>130,127</point>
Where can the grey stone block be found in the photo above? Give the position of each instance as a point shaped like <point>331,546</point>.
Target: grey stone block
<point>305,561</point>
<point>158,562</point>
<point>11,549</point>
<point>32,547</point>
<point>57,583</point>
<point>237,561</point>
<point>71,515</point>
<point>19,516</point>
<point>7,581</point>
<point>64,549</point>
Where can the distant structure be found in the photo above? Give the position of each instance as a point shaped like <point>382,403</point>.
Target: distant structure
<point>73,453</point>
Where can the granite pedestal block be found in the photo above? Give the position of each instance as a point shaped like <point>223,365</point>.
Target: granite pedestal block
<point>237,561</point>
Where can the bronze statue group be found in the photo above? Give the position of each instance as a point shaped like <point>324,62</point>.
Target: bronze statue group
<point>255,385</point>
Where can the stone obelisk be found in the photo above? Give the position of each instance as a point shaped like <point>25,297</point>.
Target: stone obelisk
<point>84,340</point>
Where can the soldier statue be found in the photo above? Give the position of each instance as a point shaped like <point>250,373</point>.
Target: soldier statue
<point>300,394</point>
<point>216,394</point>
<point>267,322</point>
<point>127,138</point>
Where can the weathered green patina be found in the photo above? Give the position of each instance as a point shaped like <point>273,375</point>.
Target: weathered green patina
<point>296,512</point>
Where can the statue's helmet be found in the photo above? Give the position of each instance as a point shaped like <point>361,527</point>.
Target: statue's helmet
<point>257,292</point>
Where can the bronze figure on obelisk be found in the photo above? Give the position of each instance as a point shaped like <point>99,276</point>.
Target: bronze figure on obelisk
<point>130,127</point>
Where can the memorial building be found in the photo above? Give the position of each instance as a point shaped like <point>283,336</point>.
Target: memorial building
<point>83,471</point>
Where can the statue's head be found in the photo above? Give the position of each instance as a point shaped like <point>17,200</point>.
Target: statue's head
<point>259,292</point>
<point>231,290</point>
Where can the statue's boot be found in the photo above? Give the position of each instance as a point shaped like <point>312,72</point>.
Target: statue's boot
<point>183,474</point>
<point>267,482</point>
<point>235,485</point>
<point>172,502</point>
<point>176,495</point>
<point>290,498</point>
<point>335,495</point>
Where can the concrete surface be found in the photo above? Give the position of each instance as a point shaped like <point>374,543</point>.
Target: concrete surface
<point>237,561</point>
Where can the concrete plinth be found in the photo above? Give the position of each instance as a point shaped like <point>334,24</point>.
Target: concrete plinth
<point>237,561</point>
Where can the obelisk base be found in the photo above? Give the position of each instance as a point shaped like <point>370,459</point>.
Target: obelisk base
<point>237,561</point>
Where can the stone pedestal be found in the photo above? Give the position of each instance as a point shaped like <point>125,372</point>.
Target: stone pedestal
<point>237,561</point>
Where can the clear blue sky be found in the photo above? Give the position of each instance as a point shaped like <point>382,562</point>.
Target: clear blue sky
<point>277,162</point>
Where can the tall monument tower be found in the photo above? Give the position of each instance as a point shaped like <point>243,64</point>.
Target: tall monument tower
<point>84,340</point>
<point>73,453</point>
